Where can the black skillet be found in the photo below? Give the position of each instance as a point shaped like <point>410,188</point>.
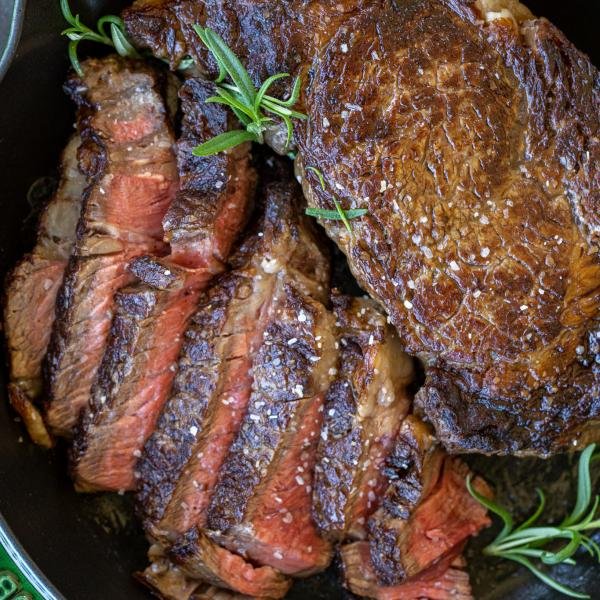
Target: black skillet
<point>88,546</point>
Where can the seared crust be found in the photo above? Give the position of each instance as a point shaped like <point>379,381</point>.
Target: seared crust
<point>364,408</point>
<point>476,157</point>
<point>205,357</point>
<point>261,504</point>
<point>469,130</point>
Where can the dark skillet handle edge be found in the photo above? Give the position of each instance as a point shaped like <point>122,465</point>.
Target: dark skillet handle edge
<point>26,568</point>
<point>11,20</point>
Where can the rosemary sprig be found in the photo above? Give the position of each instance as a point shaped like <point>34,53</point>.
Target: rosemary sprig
<point>251,106</point>
<point>339,214</point>
<point>527,541</point>
<point>78,32</point>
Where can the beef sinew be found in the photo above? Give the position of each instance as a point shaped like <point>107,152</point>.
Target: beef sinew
<point>364,408</point>
<point>31,294</point>
<point>136,373</point>
<point>127,156</point>
<point>234,447</point>
<point>469,130</point>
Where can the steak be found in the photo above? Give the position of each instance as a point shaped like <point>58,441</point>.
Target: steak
<point>212,387</point>
<point>137,370</point>
<point>469,131</point>
<point>206,561</point>
<point>444,516</point>
<point>239,376</point>
<point>127,155</point>
<point>170,581</point>
<point>446,580</point>
<point>31,292</point>
<point>364,408</point>
<point>261,505</point>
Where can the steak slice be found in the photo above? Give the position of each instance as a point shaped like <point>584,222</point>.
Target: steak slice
<point>137,371</point>
<point>127,156</point>
<point>204,560</point>
<point>446,580</point>
<point>364,408</point>
<point>182,459</point>
<point>31,292</point>
<point>171,581</point>
<point>219,364</point>
<point>444,518</point>
<point>469,131</point>
<point>261,505</point>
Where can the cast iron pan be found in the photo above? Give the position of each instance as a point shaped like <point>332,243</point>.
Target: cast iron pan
<point>88,546</point>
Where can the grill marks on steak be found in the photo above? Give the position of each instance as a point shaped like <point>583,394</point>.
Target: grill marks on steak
<point>137,371</point>
<point>364,408</point>
<point>127,155</point>
<point>481,234</point>
<point>31,294</point>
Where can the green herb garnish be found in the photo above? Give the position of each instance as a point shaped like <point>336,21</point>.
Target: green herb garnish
<point>79,32</point>
<point>527,541</point>
<point>117,39</point>
<point>249,104</point>
<point>339,214</point>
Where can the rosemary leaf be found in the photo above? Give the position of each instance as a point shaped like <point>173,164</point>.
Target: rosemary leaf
<point>224,141</point>
<point>334,215</point>
<point>527,541</point>
<point>240,94</point>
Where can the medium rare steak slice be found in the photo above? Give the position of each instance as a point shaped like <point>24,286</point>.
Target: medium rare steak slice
<point>261,505</point>
<point>31,294</point>
<point>211,569</point>
<point>364,408</point>
<point>127,156</point>
<point>204,560</point>
<point>446,580</point>
<point>182,459</point>
<point>137,371</point>
<point>425,514</point>
<point>469,131</point>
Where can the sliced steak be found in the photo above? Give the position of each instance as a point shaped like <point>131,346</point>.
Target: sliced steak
<point>445,516</point>
<point>182,459</point>
<point>166,580</point>
<point>204,560</point>
<point>261,505</point>
<point>364,408</point>
<point>137,371</point>
<point>31,294</point>
<point>127,155</point>
<point>446,580</point>
<point>469,131</point>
